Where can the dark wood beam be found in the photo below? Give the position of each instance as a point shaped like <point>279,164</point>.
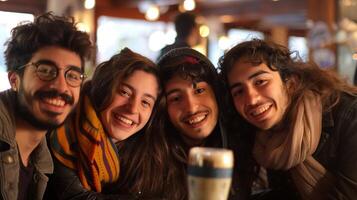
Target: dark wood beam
<point>35,7</point>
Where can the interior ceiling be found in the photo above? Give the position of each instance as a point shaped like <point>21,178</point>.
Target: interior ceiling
<point>247,13</point>
<point>25,6</point>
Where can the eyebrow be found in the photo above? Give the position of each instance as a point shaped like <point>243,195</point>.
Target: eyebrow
<point>172,91</point>
<point>145,94</point>
<point>50,62</point>
<point>238,84</point>
<point>46,61</point>
<point>194,86</point>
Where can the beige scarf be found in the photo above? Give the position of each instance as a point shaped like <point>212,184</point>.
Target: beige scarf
<point>292,150</point>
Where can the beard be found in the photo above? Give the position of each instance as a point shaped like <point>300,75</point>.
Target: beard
<point>24,112</point>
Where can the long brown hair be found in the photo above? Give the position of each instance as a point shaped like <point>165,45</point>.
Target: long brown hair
<point>302,76</point>
<point>141,155</point>
<point>189,65</point>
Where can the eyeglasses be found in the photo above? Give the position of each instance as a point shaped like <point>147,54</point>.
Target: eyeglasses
<point>48,72</point>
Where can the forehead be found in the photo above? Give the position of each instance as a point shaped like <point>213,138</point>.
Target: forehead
<point>60,56</point>
<point>142,81</point>
<point>244,70</point>
<point>180,82</point>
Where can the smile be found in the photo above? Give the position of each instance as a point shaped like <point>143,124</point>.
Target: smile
<point>54,101</point>
<point>260,110</point>
<point>124,120</point>
<point>197,118</point>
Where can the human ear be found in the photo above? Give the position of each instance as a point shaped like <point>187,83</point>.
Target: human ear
<point>14,80</point>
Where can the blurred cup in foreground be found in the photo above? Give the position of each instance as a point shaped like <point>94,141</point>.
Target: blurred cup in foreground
<point>209,173</point>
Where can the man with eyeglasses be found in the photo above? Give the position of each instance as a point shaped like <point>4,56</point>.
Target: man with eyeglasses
<point>45,64</point>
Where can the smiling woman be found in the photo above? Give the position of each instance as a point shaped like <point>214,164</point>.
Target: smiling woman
<point>132,105</point>
<point>296,120</point>
<point>92,147</point>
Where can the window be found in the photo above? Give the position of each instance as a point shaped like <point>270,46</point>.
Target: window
<point>143,37</point>
<point>12,19</point>
<point>234,36</point>
<point>299,44</point>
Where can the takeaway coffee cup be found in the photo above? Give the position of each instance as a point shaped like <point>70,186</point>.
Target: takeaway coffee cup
<point>209,173</point>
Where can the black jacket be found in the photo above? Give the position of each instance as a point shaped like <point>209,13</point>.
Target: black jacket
<point>65,184</point>
<point>337,152</point>
<point>355,77</point>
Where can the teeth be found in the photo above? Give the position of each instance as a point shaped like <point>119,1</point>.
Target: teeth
<point>55,102</point>
<point>197,119</point>
<point>260,109</point>
<point>125,120</point>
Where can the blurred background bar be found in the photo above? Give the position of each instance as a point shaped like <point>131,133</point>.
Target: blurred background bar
<point>322,31</point>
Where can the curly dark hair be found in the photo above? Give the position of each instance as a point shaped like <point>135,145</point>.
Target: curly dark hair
<point>46,30</point>
<point>279,58</point>
<point>302,76</point>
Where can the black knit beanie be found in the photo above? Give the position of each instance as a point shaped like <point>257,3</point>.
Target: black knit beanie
<point>181,53</point>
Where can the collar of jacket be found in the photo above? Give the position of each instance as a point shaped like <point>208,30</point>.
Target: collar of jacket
<point>41,156</point>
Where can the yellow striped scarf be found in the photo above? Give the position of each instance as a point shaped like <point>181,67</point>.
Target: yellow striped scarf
<point>82,145</point>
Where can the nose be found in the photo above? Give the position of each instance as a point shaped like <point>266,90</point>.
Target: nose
<point>60,83</point>
<point>133,104</point>
<point>191,104</point>
<point>252,96</point>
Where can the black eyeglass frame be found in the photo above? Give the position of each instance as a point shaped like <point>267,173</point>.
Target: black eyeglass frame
<point>82,75</point>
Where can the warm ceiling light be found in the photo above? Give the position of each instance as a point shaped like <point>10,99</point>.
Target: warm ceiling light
<point>189,5</point>
<point>89,4</point>
<point>181,9</point>
<point>204,31</point>
<point>347,2</point>
<point>152,13</point>
<point>354,56</point>
<point>227,18</point>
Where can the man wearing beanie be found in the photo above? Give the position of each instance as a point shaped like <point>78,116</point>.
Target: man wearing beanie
<point>193,111</point>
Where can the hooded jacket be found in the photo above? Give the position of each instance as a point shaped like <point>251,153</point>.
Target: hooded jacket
<point>218,137</point>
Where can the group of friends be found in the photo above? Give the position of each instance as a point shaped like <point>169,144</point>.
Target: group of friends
<point>125,133</point>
